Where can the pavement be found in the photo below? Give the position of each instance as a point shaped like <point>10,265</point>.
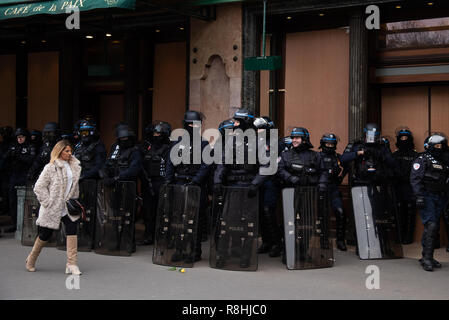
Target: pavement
<point>136,277</point>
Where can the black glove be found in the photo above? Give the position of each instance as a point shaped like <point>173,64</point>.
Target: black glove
<point>420,203</point>
<point>294,180</point>
<point>253,191</point>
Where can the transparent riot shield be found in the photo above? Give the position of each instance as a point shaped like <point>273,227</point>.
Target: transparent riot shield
<point>307,228</point>
<point>86,226</point>
<point>234,237</point>
<point>30,215</point>
<point>177,225</point>
<point>116,206</point>
<point>375,215</point>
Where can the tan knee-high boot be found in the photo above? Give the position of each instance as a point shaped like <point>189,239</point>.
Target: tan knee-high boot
<point>72,255</point>
<point>32,257</point>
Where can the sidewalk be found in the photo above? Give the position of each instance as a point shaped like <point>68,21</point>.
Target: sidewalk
<point>136,277</point>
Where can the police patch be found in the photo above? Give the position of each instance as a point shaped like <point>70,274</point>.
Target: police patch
<point>416,166</point>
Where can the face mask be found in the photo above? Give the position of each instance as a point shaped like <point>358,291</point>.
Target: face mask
<point>404,144</point>
<point>328,149</point>
<point>125,144</point>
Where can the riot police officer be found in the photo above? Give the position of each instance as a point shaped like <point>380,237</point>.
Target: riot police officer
<point>269,194</point>
<point>428,179</point>
<point>155,149</point>
<point>239,175</point>
<point>51,135</point>
<point>372,159</point>
<point>90,151</point>
<point>404,156</point>
<point>18,159</point>
<point>36,139</point>
<point>331,160</point>
<point>190,174</point>
<point>372,166</point>
<point>302,167</point>
<point>125,162</point>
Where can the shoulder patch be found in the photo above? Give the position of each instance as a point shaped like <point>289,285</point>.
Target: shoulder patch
<point>416,166</point>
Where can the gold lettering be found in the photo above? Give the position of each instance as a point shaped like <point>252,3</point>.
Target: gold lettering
<point>7,12</point>
<point>52,8</point>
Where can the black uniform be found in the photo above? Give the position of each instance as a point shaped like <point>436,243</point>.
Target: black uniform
<point>18,159</point>
<point>92,155</point>
<point>51,135</point>
<point>193,174</point>
<point>302,167</point>
<point>428,179</point>
<point>331,162</point>
<point>155,152</point>
<point>239,175</point>
<point>371,168</point>
<point>404,156</point>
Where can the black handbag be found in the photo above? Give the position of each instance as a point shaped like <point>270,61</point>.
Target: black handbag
<point>75,208</point>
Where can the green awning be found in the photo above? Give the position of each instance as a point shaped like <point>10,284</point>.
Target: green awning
<point>26,8</point>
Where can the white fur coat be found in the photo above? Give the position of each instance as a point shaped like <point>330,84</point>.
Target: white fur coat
<point>50,189</point>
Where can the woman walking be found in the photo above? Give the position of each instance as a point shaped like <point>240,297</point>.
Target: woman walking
<point>57,183</point>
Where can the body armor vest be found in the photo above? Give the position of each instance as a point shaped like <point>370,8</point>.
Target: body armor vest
<point>86,154</point>
<point>331,165</point>
<point>405,160</point>
<point>154,161</point>
<point>304,165</point>
<point>436,174</point>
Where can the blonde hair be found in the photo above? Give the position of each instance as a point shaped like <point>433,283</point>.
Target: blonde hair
<point>58,148</point>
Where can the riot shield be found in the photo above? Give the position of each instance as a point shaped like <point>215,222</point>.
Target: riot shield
<point>375,216</point>
<point>307,228</point>
<point>116,206</point>
<point>86,226</point>
<point>234,237</point>
<point>177,225</point>
<point>30,215</point>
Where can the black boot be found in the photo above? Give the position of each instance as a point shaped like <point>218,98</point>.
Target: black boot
<point>275,251</point>
<point>341,229</point>
<point>264,248</point>
<point>430,231</point>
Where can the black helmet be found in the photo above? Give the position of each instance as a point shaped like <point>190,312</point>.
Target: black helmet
<point>22,132</point>
<point>87,130</point>
<point>163,128</point>
<point>404,138</point>
<point>148,132</point>
<point>124,132</point>
<point>76,126</point>
<point>304,134</point>
<point>245,118</point>
<point>192,116</point>
<point>51,131</point>
<point>36,133</point>
<point>432,141</point>
<point>51,127</point>
<point>263,123</point>
<point>372,133</point>
<point>227,124</point>
<point>329,138</point>
<point>437,138</point>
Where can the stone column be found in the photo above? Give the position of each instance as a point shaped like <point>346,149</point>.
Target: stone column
<point>358,76</point>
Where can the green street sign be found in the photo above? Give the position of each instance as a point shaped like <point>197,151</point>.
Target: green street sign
<point>263,63</point>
